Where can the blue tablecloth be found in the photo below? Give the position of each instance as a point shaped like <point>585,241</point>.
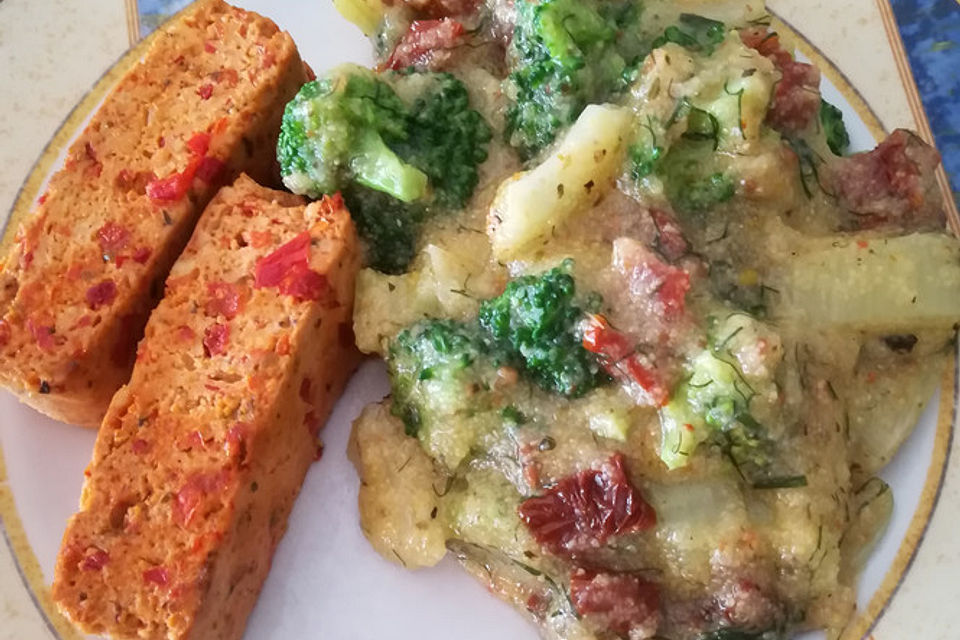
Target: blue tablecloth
<point>931,34</point>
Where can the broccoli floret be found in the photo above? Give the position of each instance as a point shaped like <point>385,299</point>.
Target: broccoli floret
<point>447,377</point>
<point>447,140</point>
<point>389,226</point>
<point>398,155</point>
<point>832,120</point>
<point>438,368</point>
<point>714,404</point>
<point>718,402</point>
<point>335,132</point>
<point>690,186</point>
<point>564,55</point>
<point>713,401</point>
<point>695,33</point>
<point>536,319</point>
<point>645,158</point>
<point>689,182</point>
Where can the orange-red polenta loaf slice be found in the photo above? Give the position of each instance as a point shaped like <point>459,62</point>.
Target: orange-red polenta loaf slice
<point>87,266</point>
<point>201,455</point>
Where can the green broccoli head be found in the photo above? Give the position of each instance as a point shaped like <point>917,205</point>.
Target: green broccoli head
<point>718,402</point>
<point>389,227</point>
<point>396,159</point>
<point>439,369</point>
<point>335,132</point>
<point>713,403</point>
<point>695,33</point>
<point>690,185</point>
<point>536,319</point>
<point>447,377</point>
<point>644,158</point>
<point>444,367</point>
<point>447,140</point>
<point>564,55</point>
<point>832,120</point>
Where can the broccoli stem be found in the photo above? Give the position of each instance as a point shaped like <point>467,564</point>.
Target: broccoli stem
<point>375,166</point>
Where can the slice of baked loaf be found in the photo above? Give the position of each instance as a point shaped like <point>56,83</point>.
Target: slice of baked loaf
<point>201,455</point>
<point>204,104</point>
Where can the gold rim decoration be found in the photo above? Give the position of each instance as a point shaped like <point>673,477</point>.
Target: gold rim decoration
<point>11,526</point>
<point>864,622</point>
<point>133,21</point>
<point>26,562</point>
<point>836,77</point>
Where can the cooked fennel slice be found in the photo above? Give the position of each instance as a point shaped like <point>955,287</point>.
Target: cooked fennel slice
<point>873,284</point>
<point>584,166</point>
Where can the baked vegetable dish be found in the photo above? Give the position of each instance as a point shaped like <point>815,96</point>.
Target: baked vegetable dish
<point>202,453</point>
<point>652,327</point>
<point>88,265</point>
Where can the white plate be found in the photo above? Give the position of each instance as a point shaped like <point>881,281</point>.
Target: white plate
<point>326,581</point>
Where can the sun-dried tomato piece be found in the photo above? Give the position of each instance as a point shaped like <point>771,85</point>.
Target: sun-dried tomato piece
<point>159,576</point>
<point>86,320</point>
<point>892,186</point>
<point>602,339</point>
<point>205,91</point>
<point>662,285</point>
<point>670,239</point>
<point>229,76</point>
<point>95,167</point>
<point>192,441</point>
<point>193,492</point>
<point>796,100</point>
<point>95,561</point>
<point>648,378</point>
<point>271,270</point>
<point>176,185</point>
<point>426,45</point>
<point>288,269</point>
<point>142,254</point>
<point>304,284</point>
<point>215,339</point>
<point>171,188</point>
<point>210,169</point>
<point>619,602</point>
<point>199,143</point>
<point>584,510</point>
<point>101,294</point>
<point>621,360</point>
<point>112,237</point>
<point>332,204</point>
<point>223,299</point>
<point>140,446</point>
